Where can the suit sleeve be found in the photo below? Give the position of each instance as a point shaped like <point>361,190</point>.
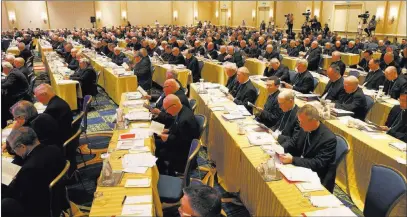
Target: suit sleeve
<point>283,139</point>
<point>356,103</point>
<point>143,71</point>
<point>285,76</point>
<point>250,97</point>
<point>274,114</point>
<point>315,57</point>
<point>306,86</point>
<point>321,160</point>
<point>11,78</point>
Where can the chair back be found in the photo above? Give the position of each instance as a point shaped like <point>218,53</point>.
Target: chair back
<point>354,73</point>
<point>56,190</point>
<point>76,123</point>
<point>32,84</point>
<point>201,120</point>
<point>342,149</point>
<point>369,103</point>
<point>292,74</point>
<point>192,155</point>
<point>200,66</point>
<point>316,82</point>
<point>192,104</point>
<point>386,188</point>
<point>85,109</point>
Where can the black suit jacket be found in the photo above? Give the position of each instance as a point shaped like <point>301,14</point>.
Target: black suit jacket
<point>340,49</point>
<point>303,82</point>
<point>25,54</point>
<point>118,59</point>
<point>143,72</point>
<point>384,66</point>
<point>254,52</point>
<point>212,53</point>
<point>318,150</point>
<point>328,51</point>
<point>353,50</point>
<point>200,50</point>
<point>176,60</point>
<point>86,43</point>
<point>334,90</point>
<point>374,79</point>
<point>192,64</point>
<point>182,132</point>
<point>87,79</point>
<point>15,84</point>
<point>62,113</point>
<point>281,72</point>
<point>397,122</point>
<point>25,71</point>
<point>46,128</point>
<point>341,65</point>
<point>30,187</point>
<point>74,64</point>
<point>246,93</point>
<point>271,55</point>
<point>394,88</point>
<point>272,111</point>
<point>288,125</point>
<point>232,85</point>
<point>354,102</point>
<point>221,57</point>
<point>293,51</point>
<point>363,63</point>
<point>313,56</point>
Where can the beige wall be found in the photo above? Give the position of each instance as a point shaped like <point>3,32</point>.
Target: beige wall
<point>61,14</point>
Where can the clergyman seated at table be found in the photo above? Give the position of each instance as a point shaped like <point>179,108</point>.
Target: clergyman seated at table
<point>118,56</point>
<point>142,69</point>
<point>211,52</point>
<point>334,89</point>
<point>191,62</point>
<point>222,55</point>
<point>336,58</point>
<point>327,49</point>
<point>364,62</point>
<point>271,113</point>
<point>375,77</point>
<point>245,92</point>
<point>351,48</point>
<point>270,53</point>
<point>396,124</point>
<point>200,200</point>
<point>74,64</point>
<point>86,76</point>
<point>176,58</point>
<point>314,148</point>
<point>29,190</point>
<point>293,50</point>
<point>303,81</point>
<point>254,51</point>
<point>388,60</point>
<point>231,73</point>
<point>354,100</point>
<point>173,145</point>
<point>394,84</point>
<point>287,125</point>
<point>275,68</point>
<point>24,52</point>
<point>313,56</point>
<point>234,57</point>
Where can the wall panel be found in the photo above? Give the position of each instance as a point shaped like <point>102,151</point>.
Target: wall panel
<point>145,13</point>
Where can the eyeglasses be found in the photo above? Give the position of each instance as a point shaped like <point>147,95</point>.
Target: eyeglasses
<point>15,148</point>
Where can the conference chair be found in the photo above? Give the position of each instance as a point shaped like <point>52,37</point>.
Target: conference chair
<point>369,104</point>
<point>316,82</point>
<point>94,95</point>
<point>386,188</point>
<point>192,104</point>
<point>292,74</point>
<point>70,147</point>
<point>342,149</point>
<point>201,119</point>
<point>354,73</point>
<point>170,187</point>
<point>56,190</point>
<point>200,66</point>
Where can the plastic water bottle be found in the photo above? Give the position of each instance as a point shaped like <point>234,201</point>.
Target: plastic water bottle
<point>201,85</point>
<point>380,92</point>
<point>271,172</point>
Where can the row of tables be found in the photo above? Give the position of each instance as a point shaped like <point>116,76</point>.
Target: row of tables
<point>236,163</point>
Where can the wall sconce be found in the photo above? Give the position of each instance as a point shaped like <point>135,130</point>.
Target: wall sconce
<point>271,13</point>
<point>316,12</point>
<point>379,14</point>
<point>12,17</point>
<point>175,15</point>
<point>229,15</point>
<point>44,17</point>
<point>124,15</point>
<point>393,14</point>
<point>217,14</point>
<point>196,15</point>
<point>253,14</point>
<point>98,15</point>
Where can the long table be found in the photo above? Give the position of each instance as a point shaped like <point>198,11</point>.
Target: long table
<point>213,72</point>
<point>110,204</point>
<point>159,76</point>
<point>113,84</point>
<point>236,163</point>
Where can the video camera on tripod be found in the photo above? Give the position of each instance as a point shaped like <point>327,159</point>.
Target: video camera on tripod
<point>307,14</point>
<point>364,16</point>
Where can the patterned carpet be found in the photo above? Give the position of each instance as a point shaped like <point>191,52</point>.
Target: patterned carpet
<point>101,118</point>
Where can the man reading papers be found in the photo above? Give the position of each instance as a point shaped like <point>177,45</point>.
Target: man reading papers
<point>314,148</point>
<point>246,92</point>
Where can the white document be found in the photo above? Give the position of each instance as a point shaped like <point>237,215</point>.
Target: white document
<point>138,199</point>
<point>137,210</point>
<point>133,95</point>
<point>261,138</point>
<point>137,170</point>
<point>233,116</point>
<point>138,183</point>
<point>138,149</point>
<point>138,116</point>
<point>141,133</point>
<point>139,125</point>
<point>299,174</point>
<point>156,127</point>
<point>142,91</point>
<point>401,146</point>
<point>337,212</point>
<point>8,171</point>
<point>309,186</point>
<point>133,103</point>
<point>138,160</point>
<point>401,160</point>
<point>243,110</point>
<point>129,144</point>
<point>325,201</point>
<point>218,108</point>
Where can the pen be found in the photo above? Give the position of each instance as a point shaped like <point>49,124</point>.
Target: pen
<point>124,199</point>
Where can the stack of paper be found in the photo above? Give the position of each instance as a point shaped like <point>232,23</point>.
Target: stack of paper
<point>309,186</point>
<point>133,103</point>
<point>128,144</point>
<point>131,162</point>
<point>325,201</point>
<point>231,117</point>
<point>138,183</point>
<point>8,171</point>
<point>156,127</point>
<point>243,110</point>
<point>401,146</point>
<point>133,95</point>
<point>340,112</point>
<point>261,138</point>
<point>141,133</point>
<point>337,212</point>
<point>299,174</point>
<point>138,199</point>
<point>138,116</point>
<point>138,149</point>
<point>137,210</point>
<point>139,125</point>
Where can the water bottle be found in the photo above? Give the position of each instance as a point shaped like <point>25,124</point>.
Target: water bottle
<point>271,172</point>
<point>380,92</point>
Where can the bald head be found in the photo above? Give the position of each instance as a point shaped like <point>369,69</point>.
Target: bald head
<point>19,62</point>
<point>388,57</point>
<point>175,51</point>
<point>172,104</point>
<point>391,73</point>
<point>21,46</point>
<point>350,84</point>
<point>170,86</point>
<point>314,44</point>
<point>44,93</point>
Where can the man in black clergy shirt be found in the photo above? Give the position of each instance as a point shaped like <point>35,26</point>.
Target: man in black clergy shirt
<point>118,56</point>
<point>313,56</point>
<point>364,62</point>
<point>246,92</point>
<point>243,47</point>
<point>86,76</point>
<point>394,84</point>
<point>176,58</point>
<point>303,81</point>
<point>254,51</point>
<point>191,63</point>
<point>24,52</point>
<point>336,59</point>
<point>375,76</point>
<point>234,57</point>
<point>271,113</point>
<point>275,68</point>
<point>19,65</point>
<point>351,48</point>
<point>293,51</point>
<point>166,55</point>
<point>211,52</point>
<point>142,69</point>
<point>29,189</point>
<point>198,48</point>
<point>396,124</point>
<point>388,60</point>
<point>338,47</point>
<point>223,54</point>
<point>314,148</point>
<point>231,73</point>
<point>270,53</point>
<point>334,89</point>
<point>173,146</point>
<point>287,125</point>
<point>354,100</point>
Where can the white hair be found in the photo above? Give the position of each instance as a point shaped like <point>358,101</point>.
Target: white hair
<point>244,70</point>
<point>336,53</point>
<point>7,65</point>
<point>274,60</point>
<point>231,66</point>
<point>286,94</point>
<point>302,61</point>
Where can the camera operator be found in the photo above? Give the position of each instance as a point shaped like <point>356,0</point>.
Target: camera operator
<point>290,23</point>
<point>305,29</point>
<point>326,30</point>
<point>371,26</point>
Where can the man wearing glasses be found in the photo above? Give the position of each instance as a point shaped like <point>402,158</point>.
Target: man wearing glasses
<point>172,146</point>
<point>29,189</point>
<point>200,200</point>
